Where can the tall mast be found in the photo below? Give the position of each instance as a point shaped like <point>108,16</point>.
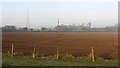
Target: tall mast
<point>58,21</point>
<point>27,20</point>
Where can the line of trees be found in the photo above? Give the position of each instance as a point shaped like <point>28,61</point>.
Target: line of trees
<point>62,28</point>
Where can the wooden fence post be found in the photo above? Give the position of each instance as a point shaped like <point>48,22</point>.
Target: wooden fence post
<point>34,50</point>
<point>8,53</point>
<point>57,56</point>
<point>92,54</point>
<point>12,50</point>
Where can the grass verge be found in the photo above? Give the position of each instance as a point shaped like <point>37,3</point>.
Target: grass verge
<point>28,61</point>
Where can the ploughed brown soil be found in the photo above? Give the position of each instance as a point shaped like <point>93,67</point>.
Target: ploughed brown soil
<point>76,43</point>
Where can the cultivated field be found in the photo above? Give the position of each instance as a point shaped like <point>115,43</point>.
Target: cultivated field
<point>76,43</point>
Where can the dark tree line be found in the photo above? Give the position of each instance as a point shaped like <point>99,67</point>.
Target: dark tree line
<point>63,28</point>
<point>9,28</point>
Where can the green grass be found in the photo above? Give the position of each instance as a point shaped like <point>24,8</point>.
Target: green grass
<point>28,61</point>
<point>0,59</point>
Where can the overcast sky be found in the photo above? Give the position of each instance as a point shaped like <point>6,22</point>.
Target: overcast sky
<point>45,12</point>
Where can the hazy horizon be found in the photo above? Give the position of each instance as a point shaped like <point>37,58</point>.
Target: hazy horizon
<point>45,14</point>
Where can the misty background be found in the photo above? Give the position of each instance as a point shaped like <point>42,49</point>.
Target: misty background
<point>45,14</point>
